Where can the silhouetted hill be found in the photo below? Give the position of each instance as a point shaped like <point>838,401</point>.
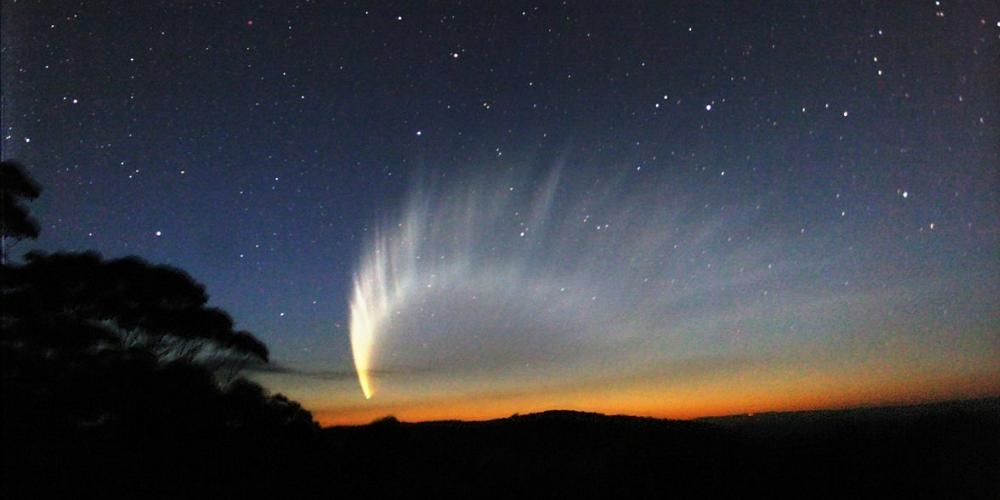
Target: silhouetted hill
<point>949,450</point>
<point>940,450</point>
<point>973,408</point>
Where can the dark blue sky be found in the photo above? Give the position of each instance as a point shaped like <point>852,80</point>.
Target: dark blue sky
<point>258,145</point>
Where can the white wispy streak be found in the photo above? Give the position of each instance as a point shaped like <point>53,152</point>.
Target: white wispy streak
<point>504,274</point>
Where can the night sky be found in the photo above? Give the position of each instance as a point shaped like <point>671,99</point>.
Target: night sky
<point>664,208</point>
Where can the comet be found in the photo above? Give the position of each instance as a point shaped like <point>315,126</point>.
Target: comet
<point>369,308</point>
<point>362,340</point>
<point>380,285</point>
<point>513,276</point>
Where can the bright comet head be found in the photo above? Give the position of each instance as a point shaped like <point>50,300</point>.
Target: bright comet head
<point>362,339</point>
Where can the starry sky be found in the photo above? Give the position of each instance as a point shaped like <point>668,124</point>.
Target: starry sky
<point>657,208</point>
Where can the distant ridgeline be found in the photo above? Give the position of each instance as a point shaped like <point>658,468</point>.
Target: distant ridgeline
<point>946,450</point>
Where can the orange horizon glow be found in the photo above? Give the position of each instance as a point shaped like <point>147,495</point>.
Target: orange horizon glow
<point>680,404</point>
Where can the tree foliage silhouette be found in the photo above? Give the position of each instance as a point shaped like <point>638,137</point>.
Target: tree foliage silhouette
<point>15,222</point>
<point>124,355</point>
<point>89,342</point>
<point>78,301</point>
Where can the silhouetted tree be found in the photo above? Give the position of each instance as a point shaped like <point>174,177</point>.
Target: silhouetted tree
<point>15,223</point>
<point>122,342</point>
<point>128,357</point>
<point>92,342</point>
<point>244,401</point>
<point>79,301</point>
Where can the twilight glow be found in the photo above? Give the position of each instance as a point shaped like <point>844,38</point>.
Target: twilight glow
<point>551,283</point>
<point>478,210</point>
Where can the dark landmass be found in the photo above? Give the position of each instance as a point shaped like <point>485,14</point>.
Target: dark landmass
<point>935,450</point>
<point>946,450</point>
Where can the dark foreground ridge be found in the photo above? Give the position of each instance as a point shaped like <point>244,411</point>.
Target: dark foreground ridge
<point>936,450</point>
<point>945,450</point>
